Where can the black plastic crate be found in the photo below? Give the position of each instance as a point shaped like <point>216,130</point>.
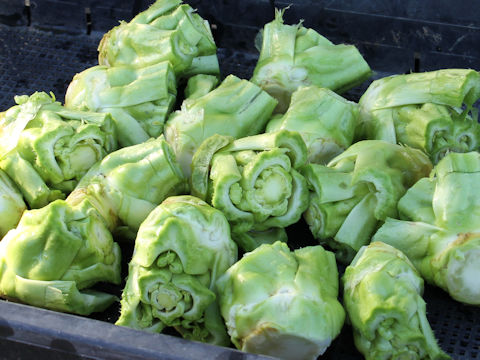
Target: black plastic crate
<point>43,43</point>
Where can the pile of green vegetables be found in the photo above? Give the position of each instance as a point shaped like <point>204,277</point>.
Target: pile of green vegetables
<point>388,185</point>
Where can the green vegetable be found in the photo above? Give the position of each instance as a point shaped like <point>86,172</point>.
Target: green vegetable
<point>181,249</point>
<point>439,230</point>
<point>250,240</point>
<point>325,120</point>
<point>254,180</point>
<point>129,183</point>
<point>382,296</point>
<point>281,303</point>
<point>45,148</point>
<point>236,108</point>
<point>167,31</point>
<point>358,190</point>
<point>200,85</point>
<point>292,56</point>
<point>431,111</point>
<point>12,205</point>
<point>55,255</point>
<point>139,100</point>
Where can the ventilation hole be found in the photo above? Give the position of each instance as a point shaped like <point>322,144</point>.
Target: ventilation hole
<point>88,20</point>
